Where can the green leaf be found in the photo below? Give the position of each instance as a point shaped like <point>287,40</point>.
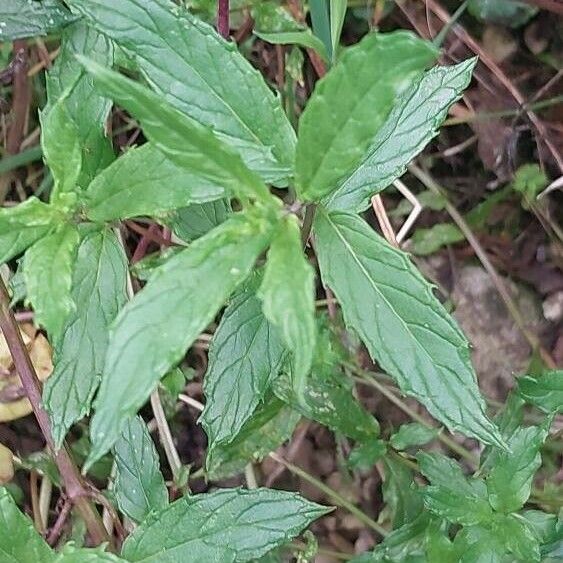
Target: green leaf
<point>505,12</point>
<point>194,221</point>
<point>270,425</point>
<point>72,554</point>
<point>288,296</point>
<point>139,485</point>
<point>145,182</point>
<point>427,241</point>
<point>350,104</point>
<point>321,23</point>
<point>517,537</point>
<point>19,541</point>
<point>61,147</point>
<point>365,456</point>
<point>276,25</point>
<point>400,493</point>
<point>413,434</point>
<point>510,480</point>
<point>545,391</point>
<point>22,225</point>
<point>203,76</point>
<point>337,15</point>
<point>451,495</point>
<point>403,545</point>
<point>457,507</point>
<point>48,267</point>
<point>99,291</point>
<point>87,109</point>
<point>480,545</point>
<point>405,328</point>
<point>412,123</point>
<point>303,38</point>
<point>182,139</point>
<point>245,356</point>
<point>327,395</point>
<point>22,18</point>
<point>227,525</point>
<point>155,328</point>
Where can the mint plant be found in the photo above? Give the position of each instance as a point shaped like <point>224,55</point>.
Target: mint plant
<point>251,203</point>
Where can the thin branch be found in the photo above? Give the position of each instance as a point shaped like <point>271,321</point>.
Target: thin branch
<point>73,483</point>
<point>511,306</point>
<point>223,26</point>
<point>331,493</point>
<point>166,436</point>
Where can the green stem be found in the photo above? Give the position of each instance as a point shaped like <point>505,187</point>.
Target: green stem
<point>334,495</point>
<point>367,378</point>
<point>73,483</point>
<point>310,211</point>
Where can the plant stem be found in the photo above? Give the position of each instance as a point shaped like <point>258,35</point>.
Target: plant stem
<point>74,485</point>
<point>511,306</point>
<point>366,377</point>
<point>308,223</point>
<point>334,495</point>
<point>166,436</point>
<point>223,26</point>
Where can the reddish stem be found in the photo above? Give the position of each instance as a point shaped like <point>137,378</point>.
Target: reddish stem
<point>223,26</point>
<point>73,483</point>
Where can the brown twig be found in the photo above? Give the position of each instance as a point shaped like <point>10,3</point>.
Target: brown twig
<point>21,98</point>
<point>57,529</point>
<point>511,306</point>
<point>74,485</point>
<point>484,57</point>
<point>223,26</point>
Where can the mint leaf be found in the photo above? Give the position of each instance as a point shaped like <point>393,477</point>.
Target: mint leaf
<point>145,182</point>
<point>451,495</point>
<point>61,147</point>
<point>47,268</point>
<point>98,290</point>
<point>203,76</point>
<point>405,328</point>
<point>153,331</point>
<point>269,426</point>
<point>22,225</point>
<point>413,434</point>
<point>303,38</point>
<point>139,485</point>
<point>412,123</point>
<point>182,139</point>
<point>87,109</point>
<point>545,391</point>
<point>517,537</point>
<point>350,104</point>
<point>245,356</point>
<point>510,479</point>
<point>326,396</point>
<point>288,296</point>
<point>196,220</point>
<point>400,492</point>
<point>22,18</point>
<point>72,554</point>
<point>227,525</point>
<point>19,541</point>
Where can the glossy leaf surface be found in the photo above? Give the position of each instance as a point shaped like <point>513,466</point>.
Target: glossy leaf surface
<point>412,123</point>
<point>144,182</point>
<point>227,525</point>
<point>350,104</point>
<point>403,325</point>
<point>203,76</point>
<point>153,331</point>
<point>98,290</point>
